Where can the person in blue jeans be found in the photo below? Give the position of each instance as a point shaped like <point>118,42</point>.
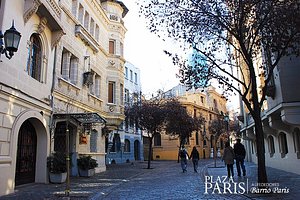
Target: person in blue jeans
<point>195,158</point>
<point>240,154</point>
<point>183,154</point>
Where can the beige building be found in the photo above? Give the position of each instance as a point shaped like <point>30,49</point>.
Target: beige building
<point>67,72</point>
<point>210,105</point>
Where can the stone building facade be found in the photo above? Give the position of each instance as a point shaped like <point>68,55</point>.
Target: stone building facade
<point>207,103</point>
<point>67,74</point>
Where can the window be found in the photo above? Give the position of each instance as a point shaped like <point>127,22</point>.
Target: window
<point>127,146</point>
<point>80,14</point>
<point>126,96</point>
<point>69,67</point>
<point>195,113</point>
<point>271,145</point>
<point>126,72</point>
<point>296,137</point>
<point>157,140</point>
<point>121,94</point>
<point>283,148</point>
<point>202,99</point>
<point>204,142</point>
<point>97,85</point>
<point>86,20</point>
<point>92,27</point>
<point>34,61</point>
<point>197,137</point>
<point>112,46</point>
<point>73,76</point>
<point>97,32</point>
<point>135,77</point>
<point>215,104</point>
<point>116,147</point>
<point>74,7</point>
<point>121,49</point>
<point>111,92</point>
<point>131,75</point>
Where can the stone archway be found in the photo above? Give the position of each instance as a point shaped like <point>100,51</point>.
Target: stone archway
<point>33,123</point>
<point>26,154</point>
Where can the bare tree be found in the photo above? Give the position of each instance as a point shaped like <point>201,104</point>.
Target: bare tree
<point>150,117</point>
<point>179,122</point>
<point>231,35</point>
<point>216,127</point>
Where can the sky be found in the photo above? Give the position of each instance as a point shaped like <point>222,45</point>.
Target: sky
<point>145,51</point>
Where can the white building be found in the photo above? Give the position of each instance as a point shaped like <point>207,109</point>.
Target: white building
<point>125,144</point>
<point>281,120</point>
<point>68,70</point>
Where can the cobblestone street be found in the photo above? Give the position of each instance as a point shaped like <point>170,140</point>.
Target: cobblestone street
<point>164,180</point>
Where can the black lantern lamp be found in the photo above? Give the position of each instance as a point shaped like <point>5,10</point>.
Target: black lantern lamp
<point>11,41</point>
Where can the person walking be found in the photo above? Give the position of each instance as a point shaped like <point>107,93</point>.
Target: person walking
<point>228,158</point>
<point>183,154</point>
<point>195,158</point>
<point>240,154</point>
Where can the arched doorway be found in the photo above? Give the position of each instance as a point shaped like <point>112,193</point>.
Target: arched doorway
<point>136,150</point>
<point>26,154</point>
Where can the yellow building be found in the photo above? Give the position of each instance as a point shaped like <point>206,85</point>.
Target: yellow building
<point>211,105</point>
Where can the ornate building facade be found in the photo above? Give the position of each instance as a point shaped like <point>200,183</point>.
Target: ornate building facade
<point>66,75</point>
<point>208,104</point>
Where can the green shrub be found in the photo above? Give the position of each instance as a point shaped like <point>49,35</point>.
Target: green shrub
<point>86,162</point>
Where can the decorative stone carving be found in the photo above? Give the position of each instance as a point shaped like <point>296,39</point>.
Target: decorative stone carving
<point>42,25</point>
<point>56,37</point>
<point>31,9</point>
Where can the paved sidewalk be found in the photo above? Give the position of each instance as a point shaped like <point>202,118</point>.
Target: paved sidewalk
<point>282,185</point>
<point>164,181</point>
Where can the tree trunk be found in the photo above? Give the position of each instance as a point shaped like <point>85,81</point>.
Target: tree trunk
<point>261,165</point>
<point>150,152</point>
<point>215,148</point>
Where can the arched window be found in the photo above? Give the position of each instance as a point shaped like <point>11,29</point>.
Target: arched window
<point>271,145</point>
<point>283,148</point>
<point>116,147</point>
<point>34,60</point>
<point>127,146</point>
<point>296,137</point>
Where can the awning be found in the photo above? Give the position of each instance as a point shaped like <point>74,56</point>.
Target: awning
<point>84,118</point>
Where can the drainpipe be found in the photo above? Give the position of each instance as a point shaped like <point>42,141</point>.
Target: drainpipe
<point>51,126</point>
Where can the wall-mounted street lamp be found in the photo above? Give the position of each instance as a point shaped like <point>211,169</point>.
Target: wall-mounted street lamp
<point>11,41</point>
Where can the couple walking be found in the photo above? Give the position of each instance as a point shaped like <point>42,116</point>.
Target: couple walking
<point>238,153</point>
<point>184,156</point>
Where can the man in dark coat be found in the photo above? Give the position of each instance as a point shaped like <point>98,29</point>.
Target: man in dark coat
<point>240,154</point>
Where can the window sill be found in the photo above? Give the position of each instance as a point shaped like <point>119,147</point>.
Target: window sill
<point>62,81</point>
<point>94,98</point>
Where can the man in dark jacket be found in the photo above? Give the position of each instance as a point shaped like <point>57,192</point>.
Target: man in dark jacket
<point>240,154</point>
